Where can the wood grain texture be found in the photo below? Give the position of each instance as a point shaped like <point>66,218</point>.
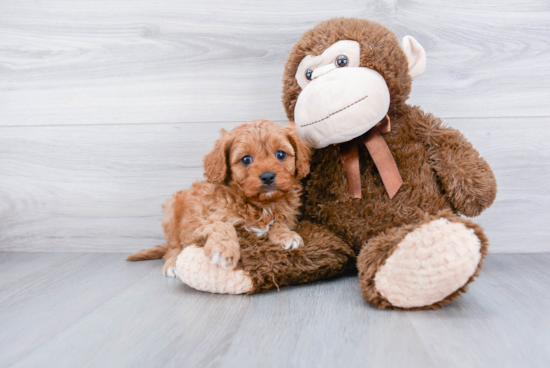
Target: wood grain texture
<point>505,307</point>
<point>122,62</point>
<point>15,267</point>
<point>118,314</point>
<point>100,188</point>
<point>107,106</point>
<point>37,306</point>
<point>305,330</point>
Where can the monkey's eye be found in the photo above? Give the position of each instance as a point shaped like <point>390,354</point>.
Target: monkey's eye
<point>342,61</point>
<point>246,160</point>
<point>309,72</point>
<point>281,155</point>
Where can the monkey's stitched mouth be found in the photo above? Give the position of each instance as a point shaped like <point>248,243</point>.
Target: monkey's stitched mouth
<point>336,112</point>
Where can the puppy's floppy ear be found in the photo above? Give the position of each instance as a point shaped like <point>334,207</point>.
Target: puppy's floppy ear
<point>301,149</point>
<point>215,163</point>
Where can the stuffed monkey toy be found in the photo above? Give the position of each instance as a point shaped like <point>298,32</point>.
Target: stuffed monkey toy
<point>388,181</point>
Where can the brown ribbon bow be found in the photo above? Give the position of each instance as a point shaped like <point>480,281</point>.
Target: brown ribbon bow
<point>381,155</point>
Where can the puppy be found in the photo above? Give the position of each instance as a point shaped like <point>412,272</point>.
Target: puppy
<point>252,180</point>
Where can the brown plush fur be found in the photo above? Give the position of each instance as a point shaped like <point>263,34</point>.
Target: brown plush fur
<point>234,195</point>
<point>440,169</point>
<point>271,266</point>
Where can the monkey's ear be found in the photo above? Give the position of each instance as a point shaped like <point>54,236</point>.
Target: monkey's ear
<point>415,55</point>
<point>215,162</point>
<point>301,149</point>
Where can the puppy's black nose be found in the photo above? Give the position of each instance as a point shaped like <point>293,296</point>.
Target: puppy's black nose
<point>268,177</point>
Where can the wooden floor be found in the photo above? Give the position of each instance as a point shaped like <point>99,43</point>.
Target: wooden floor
<point>95,310</point>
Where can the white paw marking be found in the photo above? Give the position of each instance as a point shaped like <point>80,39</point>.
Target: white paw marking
<point>216,257</point>
<point>219,260</point>
<point>259,231</point>
<point>296,242</point>
<point>267,211</point>
<point>292,243</point>
<point>170,272</point>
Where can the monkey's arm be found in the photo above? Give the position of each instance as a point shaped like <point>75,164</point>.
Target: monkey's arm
<point>465,176</point>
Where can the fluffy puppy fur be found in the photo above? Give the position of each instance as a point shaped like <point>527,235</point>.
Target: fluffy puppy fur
<point>235,196</point>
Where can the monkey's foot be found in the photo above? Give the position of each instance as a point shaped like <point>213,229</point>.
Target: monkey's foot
<point>197,271</point>
<point>422,266</point>
<point>429,264</point>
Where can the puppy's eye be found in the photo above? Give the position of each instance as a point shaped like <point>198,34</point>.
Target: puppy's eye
<point>246,160</point>
<point>280,155</point>
<point>309,72</point>
<point>342,61</point>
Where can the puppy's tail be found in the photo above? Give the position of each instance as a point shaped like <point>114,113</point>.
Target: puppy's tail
<point>154,253</point>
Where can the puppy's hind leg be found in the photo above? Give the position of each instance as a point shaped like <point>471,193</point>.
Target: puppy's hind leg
<point>169,268</point>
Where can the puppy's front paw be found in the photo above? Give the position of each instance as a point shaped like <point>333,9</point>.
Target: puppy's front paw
<point>225,253</point>
<point>289,240</point>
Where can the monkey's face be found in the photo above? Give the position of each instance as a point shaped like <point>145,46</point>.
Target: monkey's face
<point>340,100</point>
<point>347,89</point>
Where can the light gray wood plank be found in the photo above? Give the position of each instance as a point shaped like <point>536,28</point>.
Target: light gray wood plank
<point>152,321</point>
<point>17,266</point>
<point>100,188</point>
<point>156,321</point>
<point>502,322</point>
<point>116,62</point>
<point>325,324</point>
<point>95,187</point>
<point>41,305</point>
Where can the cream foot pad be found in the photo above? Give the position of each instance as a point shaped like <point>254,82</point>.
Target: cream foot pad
<point>195,270</point>
<point>429,264</point>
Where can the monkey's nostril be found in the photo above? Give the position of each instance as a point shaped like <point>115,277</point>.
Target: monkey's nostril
<point>267,177</point>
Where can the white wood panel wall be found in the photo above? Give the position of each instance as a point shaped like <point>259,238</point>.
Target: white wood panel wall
<point>107,107</point>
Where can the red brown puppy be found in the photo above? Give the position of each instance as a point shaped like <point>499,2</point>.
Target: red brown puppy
<point>252,181</point>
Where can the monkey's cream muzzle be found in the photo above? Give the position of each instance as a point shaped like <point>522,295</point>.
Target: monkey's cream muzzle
<point>345,103</point>
<point>340,104</point>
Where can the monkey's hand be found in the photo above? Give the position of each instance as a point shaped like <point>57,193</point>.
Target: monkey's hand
<point>467,179</point>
